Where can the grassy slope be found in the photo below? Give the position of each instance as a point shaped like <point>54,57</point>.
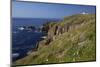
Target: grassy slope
<point>75,45</point>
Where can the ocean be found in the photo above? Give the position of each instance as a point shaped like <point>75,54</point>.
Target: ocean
<point>22,40</point>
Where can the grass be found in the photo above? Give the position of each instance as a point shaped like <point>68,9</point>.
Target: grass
<point>78,44</point>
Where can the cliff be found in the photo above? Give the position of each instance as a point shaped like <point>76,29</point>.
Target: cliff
<point>71,40</point>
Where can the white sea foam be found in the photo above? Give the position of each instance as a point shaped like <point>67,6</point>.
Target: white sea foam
<point>21,28</point>
<point>15,54</point>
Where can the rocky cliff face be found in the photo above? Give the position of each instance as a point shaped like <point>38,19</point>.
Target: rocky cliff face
<point>57,29</point>
<point>71,40</point>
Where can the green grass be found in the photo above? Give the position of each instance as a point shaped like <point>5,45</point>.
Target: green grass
<point>78,44</point>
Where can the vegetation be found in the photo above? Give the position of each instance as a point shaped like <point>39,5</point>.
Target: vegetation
<point>73,41</point>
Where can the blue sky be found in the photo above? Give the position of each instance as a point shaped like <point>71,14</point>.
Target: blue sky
<point>43,10</point>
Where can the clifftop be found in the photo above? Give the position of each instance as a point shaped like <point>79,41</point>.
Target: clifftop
<point>70,40</point>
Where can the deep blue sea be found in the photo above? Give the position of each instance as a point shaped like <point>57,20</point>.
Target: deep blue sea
<point>22,40</point>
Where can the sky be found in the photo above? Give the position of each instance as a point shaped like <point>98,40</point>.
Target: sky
<point>47,10</point>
